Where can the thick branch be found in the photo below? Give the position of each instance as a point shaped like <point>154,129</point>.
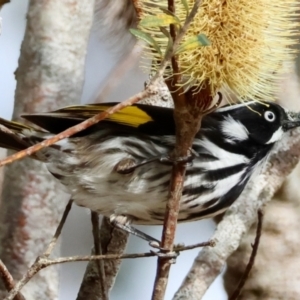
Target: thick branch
<point>188,115</point>
<point>50,74</point>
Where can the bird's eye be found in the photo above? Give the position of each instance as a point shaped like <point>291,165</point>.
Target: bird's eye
<point>269,116</point>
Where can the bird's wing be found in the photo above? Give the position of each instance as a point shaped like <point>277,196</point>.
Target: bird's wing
<point>147,119</point>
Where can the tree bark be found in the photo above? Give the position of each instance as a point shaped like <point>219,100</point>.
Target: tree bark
<point>50,75</point>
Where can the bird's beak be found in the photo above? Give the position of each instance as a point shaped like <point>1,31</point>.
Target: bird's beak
<point>292,122</point>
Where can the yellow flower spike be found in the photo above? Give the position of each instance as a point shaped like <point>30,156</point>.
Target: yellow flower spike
<point>250,44</point>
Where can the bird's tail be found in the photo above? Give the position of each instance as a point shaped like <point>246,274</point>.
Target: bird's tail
<point>15,136</point>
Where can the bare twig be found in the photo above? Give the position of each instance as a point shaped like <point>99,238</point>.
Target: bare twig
<point>59,228</point>
<point>250,264</point>
<point>94,276</point>
<point>43,262</point>
<point>60,260</point>
<point>8,281</point>
<point>74,129</point>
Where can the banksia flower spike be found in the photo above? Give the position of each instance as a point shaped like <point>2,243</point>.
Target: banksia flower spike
<point>248,43</point>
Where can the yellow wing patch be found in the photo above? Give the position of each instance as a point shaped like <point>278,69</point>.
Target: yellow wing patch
<point>131,115</point>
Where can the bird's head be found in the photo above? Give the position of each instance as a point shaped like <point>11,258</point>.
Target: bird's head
<point>263,122</point>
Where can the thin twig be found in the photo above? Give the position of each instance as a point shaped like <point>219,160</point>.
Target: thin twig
<point>43,262</point>
<point>176,74</point>
<point>250,264</point>
<point>34,269</point>
<point>59,229</point>
<point>98,251</point>
<point>60,260</point>
<point>75,129</point>
<point>8,280</point>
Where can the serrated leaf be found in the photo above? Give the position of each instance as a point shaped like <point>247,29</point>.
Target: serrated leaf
<point>158,21</point>
<point>186,7</point>
<point>193,42</point>
<point>146,37</point>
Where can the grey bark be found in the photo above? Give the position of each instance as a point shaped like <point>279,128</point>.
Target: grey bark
<point>50,74</point>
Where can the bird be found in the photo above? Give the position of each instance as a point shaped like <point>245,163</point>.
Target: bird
<point>120,167</point>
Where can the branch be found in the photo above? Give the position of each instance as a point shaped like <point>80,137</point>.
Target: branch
<point>8,280</point>
<point>239,217</point>
<point>94,285</point>
<point>250,264</point>
<point>44,261</point>
<point>188,114</point>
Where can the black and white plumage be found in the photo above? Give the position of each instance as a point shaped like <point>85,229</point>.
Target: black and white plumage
<point>114,168</point>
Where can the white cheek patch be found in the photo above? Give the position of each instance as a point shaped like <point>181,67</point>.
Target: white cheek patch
<point>234,130</point>
<point>277,135</point>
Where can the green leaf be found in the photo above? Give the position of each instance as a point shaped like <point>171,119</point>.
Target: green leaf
<point>193,42</point>
<point>186,7</point>
<point>170,40</point>
<point>165,32</point>
<point>146,37</point>
<point>158,21</point>
<point>167,12</point>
